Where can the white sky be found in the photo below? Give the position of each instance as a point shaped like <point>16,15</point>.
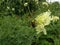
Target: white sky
<point>53,1</point>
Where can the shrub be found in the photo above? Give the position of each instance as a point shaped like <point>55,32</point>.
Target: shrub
<point>14,32</point>
<point>17,6</point>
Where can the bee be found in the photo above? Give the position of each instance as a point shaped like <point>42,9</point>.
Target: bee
<point>33,23</point>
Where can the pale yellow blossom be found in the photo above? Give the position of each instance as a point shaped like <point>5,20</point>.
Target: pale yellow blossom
<point>40,28</point>
<point>13,9</point>
<point>8,7</point>
<point>45,3</point>
<point>43,18</point>
<point>55,18</point>
<point>41,21</point>
<point>25,4</point>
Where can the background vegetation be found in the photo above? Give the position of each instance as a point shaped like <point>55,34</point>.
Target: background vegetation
<point>16,27</point>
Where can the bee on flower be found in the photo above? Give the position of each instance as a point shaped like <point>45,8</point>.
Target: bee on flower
<point>33,23</point>
<point>41,21</point>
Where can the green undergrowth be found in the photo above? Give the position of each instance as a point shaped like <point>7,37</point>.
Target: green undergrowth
<point>17,30</point>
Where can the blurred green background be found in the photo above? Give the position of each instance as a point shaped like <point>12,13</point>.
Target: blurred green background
<point>16,27</point>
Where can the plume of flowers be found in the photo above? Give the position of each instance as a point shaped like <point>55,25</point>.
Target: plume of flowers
<point>44,19</point>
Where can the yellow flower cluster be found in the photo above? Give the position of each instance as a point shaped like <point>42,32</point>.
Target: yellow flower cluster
<point>42,20</point>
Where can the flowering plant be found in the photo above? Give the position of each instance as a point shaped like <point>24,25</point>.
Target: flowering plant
<point>44,19</point>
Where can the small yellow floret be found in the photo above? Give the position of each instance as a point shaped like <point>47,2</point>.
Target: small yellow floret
<point>45,3</point>
<point>55,18</point>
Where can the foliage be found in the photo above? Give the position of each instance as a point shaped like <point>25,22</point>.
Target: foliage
<point>14,32</point>
<point>17,30</point>
<point>17,7</point>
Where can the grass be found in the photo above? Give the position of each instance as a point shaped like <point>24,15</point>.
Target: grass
<point>15,30</point>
